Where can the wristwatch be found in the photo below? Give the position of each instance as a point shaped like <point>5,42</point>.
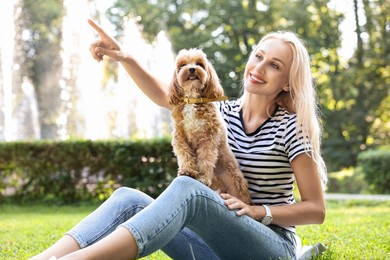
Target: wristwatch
<point>268,216</point>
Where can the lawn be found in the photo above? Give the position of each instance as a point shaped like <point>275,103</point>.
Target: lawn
<point>352,229</point>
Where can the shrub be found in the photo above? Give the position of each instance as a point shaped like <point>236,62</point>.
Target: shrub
<point>375,164</point>
<point>82,170</point>
<point>349,180</point>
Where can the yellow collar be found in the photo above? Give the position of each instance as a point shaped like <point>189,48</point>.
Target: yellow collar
<point>189,100</point>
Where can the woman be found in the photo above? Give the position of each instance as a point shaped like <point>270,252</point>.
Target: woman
<point>274,132</point>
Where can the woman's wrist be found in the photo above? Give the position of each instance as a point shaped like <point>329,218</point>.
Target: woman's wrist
<point>260,212</point>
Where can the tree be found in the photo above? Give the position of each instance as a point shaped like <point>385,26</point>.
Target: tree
<point>41,44</point>
<point>218,27</point>
<point>356,115</point>
<point>352,93</point>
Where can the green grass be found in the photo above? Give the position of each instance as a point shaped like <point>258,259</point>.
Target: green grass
<point>352,229</point>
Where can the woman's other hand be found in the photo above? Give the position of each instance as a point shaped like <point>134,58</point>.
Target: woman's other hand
<point>255,212</point>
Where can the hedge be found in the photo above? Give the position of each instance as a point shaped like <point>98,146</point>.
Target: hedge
<point>72,171</point>
<point>375,165</point>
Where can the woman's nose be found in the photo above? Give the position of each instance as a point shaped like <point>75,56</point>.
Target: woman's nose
<point>260,67</point>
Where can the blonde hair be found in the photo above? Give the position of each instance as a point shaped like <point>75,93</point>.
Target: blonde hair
<point>302,99</point>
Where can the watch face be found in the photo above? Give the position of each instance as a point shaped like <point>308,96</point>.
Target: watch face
<point>268,216</point>
<point>267,220</point>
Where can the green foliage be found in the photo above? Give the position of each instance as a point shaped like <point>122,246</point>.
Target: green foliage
<point>228,30</point>
<point>375,165</point>
<point>82,170</point>
<point>350,181</point>
<point>353,93</point>
<point>372,174</point>
<point>356,92</point>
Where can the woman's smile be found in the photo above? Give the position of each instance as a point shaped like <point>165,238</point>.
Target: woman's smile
<point>256,79</point>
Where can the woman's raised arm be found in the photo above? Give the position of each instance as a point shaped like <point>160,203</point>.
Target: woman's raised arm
<point>154,88</point>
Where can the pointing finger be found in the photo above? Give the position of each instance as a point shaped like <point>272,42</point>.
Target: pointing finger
<point>98,29</point>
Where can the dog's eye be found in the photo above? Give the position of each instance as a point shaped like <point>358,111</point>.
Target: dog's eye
<point>179,66</point>
<point>200,64</point>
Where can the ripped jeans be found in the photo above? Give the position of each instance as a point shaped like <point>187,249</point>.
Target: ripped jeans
<point>187,221</point>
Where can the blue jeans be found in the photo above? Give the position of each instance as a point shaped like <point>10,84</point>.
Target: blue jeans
<point>187,221</point>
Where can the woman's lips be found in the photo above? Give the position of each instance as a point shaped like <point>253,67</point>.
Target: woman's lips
<point>256,79</point>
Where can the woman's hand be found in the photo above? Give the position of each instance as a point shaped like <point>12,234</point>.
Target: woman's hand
<point>105,45</point>
<point>255,212</point>
<point>151,86</point>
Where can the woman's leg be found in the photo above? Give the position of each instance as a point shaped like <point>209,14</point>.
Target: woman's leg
<point>121,206</point>
<point>118,245</point>
<point>188,203</point>
<point>63,246</point>
<point>188,245</point>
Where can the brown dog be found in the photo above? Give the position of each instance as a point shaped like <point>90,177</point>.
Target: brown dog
<point>199,137</point>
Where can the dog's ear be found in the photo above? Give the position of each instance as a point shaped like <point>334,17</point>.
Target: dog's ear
<point>175,91</point>
<point>213,86</point>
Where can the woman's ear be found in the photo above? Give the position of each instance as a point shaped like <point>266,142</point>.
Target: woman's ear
<point>286,87</point>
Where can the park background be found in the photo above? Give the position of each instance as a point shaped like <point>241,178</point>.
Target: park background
<point>72,130</point>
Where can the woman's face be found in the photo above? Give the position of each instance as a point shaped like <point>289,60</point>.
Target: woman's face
<point>268,67</point>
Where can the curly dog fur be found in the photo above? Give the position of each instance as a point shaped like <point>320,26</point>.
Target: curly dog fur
<point>199,136</point>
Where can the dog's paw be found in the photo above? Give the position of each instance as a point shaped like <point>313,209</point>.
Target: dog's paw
<point>205,180</point>
<point>182,172</point>
<point>187,172</point>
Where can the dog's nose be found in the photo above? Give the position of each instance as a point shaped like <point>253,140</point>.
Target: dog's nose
<point>192,70</point>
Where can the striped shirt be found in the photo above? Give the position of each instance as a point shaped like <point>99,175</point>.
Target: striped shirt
<point>265,155</point>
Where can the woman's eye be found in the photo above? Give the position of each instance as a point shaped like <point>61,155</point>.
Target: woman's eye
<point>259,56</point>
<point>275,66</point>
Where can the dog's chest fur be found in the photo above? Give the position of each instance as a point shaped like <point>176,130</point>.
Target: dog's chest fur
<point>193,119</point>
<point>199,120</point>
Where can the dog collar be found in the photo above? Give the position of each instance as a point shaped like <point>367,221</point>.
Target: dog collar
<point>189,100</point>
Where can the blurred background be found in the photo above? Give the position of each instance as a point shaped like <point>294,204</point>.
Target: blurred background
<point>72,130</point>
<point>52,89</point>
